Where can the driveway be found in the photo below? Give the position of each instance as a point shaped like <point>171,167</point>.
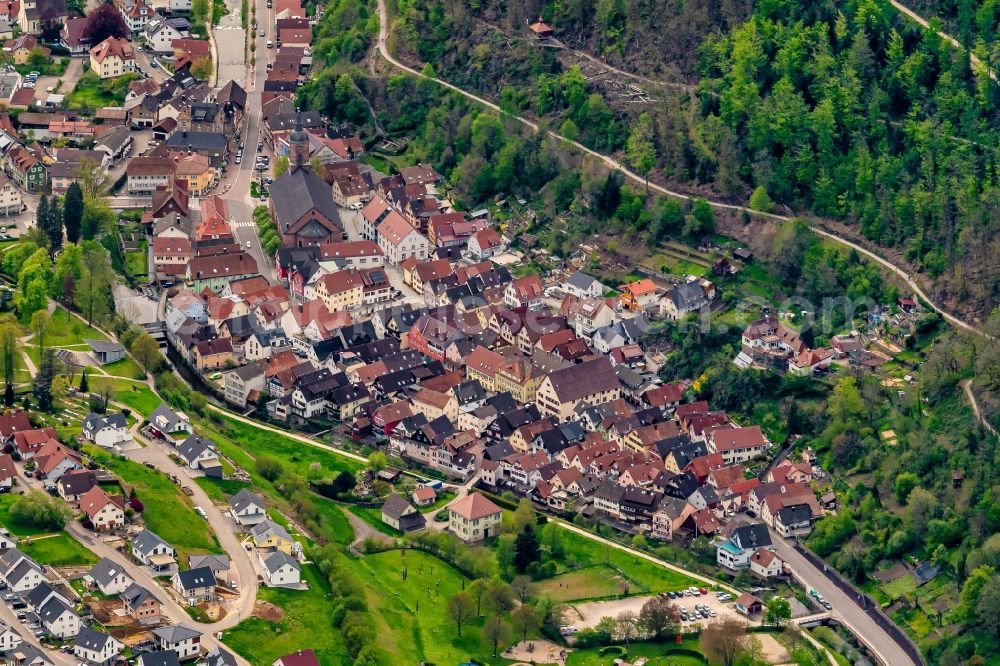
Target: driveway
<point>66,83</point>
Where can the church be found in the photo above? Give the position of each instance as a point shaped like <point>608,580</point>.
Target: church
<point>301,202</point>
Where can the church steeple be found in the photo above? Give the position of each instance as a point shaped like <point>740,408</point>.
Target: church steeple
<point>298,143</point>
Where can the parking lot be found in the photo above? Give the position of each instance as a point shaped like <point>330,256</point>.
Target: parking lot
<point>586,615</point>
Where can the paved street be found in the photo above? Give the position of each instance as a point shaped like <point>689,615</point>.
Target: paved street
<point>230,40</point>
<point>845,608</point>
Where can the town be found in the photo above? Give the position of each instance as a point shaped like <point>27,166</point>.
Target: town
<point>275,359</point>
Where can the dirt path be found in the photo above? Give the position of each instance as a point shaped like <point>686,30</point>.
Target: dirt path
<point>967,387</point>
<point>362,531</point>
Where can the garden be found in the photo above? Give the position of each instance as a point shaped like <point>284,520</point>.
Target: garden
<point>92,92</point>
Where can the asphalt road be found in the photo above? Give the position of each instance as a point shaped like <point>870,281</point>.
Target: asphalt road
<point>230,40</point>
<point>846,608</point>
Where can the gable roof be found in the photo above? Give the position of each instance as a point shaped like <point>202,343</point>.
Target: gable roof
<point>298,191</point>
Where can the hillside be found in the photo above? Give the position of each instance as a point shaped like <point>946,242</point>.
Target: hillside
<point>844,111</point>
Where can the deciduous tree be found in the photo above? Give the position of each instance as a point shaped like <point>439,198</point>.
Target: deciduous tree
<point>102,22</point>
<point>461,608</point>
<point>495,631</point>
<point>526,619</point>
<point>724,641</point>
<point>656,617</point>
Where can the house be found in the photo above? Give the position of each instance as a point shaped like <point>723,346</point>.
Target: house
<point>25,168</point>
<point>136,14</point>
<point>474,518</point>
<point>41,595</point>
<point>71,36</point>
<point>194,585</point>
<point>59,619</point>
<point>766,564</point>
<point>112,58</point>
<point>141,605</point>
<point>524,292</point>
<point>200,453</point>
<point>582,285</point>
<point>146,174</point>
<point>103,512</point>
<point>401,515</point>
<point>217,270</point>
<point>37,15</point>
<point>115,144</point>
<point>106,351</point>
<point>424,496</point>
<point>160,34</point>
<point>749,605</point>
<point>18,50</point>
<point>398,239</point>
<point>247,508</point>
<point>682,300</point>
<point>269,534</point>
<point>738,445</point>
<point>109,577</point>
<point>421,174</point>
<point>639,296</point>
<point>53,460</point>
<point>210,355</point>
<point>96,647</point>
<point>734,553</point>
<point>107,430</point>
<point>10,197</point>
<point>74,484</point>
<point>151,550</point>
<point>166,423</point>
<point>9,639</point>
<point>594,382</point>
<point>282,569</point>
<point>19,572</point>
<point>484,244</point>
<point>220,657</point>
<point>185,641</point>
<point>242,382</point>
<point>159,658</point>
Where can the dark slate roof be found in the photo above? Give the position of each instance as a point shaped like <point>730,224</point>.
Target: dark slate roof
<point>53,609</point>
<point>160,658</point>
<point>395,506</point>
<point>106,570</point>
<point>91,640</point>
<point>198,141</point>
<point>135,595</point>
<point>195,578</point>
<point>178,632</point>
<point>750,537</point>
<point>299,190</point>
<point>146,540</point>
<point>245,498</point>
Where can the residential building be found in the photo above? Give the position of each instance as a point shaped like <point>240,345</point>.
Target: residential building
<point>141,605</point>
<point>109,577</point>
<point>96,647</point>
<point>282,569</point>
<point>104,512</point>
<point>593,382</point>
<point>10,197</point>
<point>106,430</point>
<point>194,585</point>
<point>474,518</point>
<point>399,514</point>
<point>247,508</point>
<point>185,641</point>
<point>112,58</point>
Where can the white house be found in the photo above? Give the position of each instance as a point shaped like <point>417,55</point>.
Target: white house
<point>20,572</point>
<point>10,197</point>
<point>582,285</point>
<point>734,553</point>
<point>399,240</point>
<point>766,564</point>
<point>186,642</point>
<point>159,34</point>
<point>247,508</point>
<point>59,619</point>
<point>194,451</point>
<point>282,569</point>
<point>96,647</point>
<point>106,430</point>
<point>9,639</point>
<point>109,577</point>
<point>151,550</point>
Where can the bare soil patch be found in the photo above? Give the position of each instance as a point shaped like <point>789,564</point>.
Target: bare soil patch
<point>268,611</point>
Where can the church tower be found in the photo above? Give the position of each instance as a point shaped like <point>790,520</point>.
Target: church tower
<point>298,144</point>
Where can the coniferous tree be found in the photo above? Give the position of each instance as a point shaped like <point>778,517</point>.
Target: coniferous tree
<point>73,212</point>
<point>54,226</point>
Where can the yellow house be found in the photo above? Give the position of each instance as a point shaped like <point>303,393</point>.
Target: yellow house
<point>483,364</point>
<point>434,404</point>
<point>196,170</point>
<point>269,534</point>
<point>521,377</point>
<point>474,518</point>
<point>341,290</point>
<point>112,57</point>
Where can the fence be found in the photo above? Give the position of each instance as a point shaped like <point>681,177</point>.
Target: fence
<point>871,608</point>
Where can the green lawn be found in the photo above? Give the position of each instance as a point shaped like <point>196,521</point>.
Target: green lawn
<point>136,264</point>
<point>58,550</point>
<point>20,530</point>
<point>306,623</point>
<point>66,329</point>
<point>901,587</point>
<point>594,582</point>
<point>643,572</point>
<point>654,652</point>
<point>126,367</point>
<point>292,454</point>
<point>337,526</point>
<point>443,498</point>
<point>411,621</point>
<point>139,397</point>
<point>168,511</point>
<point>93,93</point>
<point>219,490</point>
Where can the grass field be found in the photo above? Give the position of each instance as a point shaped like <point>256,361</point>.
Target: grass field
<point>136,264</point>
<point>373,516</point>
<point>67,330</point>
<point>338,527</point>
<point>642,572</point>
<point>594,582</point>
<point>126,367</point>
<point>58,550</point>
<point>410,616</point>
<point>219,490</point>
<point>306,623</point>
<point>901,587</point>
<point>138,397</point>
<point>653,652</point>
<point>168,511</point>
